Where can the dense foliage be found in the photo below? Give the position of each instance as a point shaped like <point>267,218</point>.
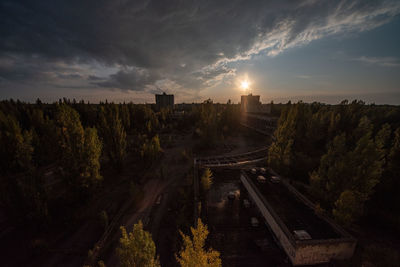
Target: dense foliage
<point>215,121</point>
<point>81,149</point>
<point>52,155</point>
<point>137,248</point>
<point>348,153</point>
<point>194,253</point>
<point>113,133</point>
<point>206,180</point>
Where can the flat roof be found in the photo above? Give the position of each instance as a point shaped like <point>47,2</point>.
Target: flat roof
<point>293,212</point>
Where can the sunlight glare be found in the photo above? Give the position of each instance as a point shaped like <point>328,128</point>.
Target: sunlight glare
<point>244,85</point>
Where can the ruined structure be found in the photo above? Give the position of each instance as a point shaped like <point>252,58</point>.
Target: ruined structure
<point>164,101</point>
<point>306,236</point>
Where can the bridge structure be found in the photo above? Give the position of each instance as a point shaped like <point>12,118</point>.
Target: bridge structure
<point>232,161</point>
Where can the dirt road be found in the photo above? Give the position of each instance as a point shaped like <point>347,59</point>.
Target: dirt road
<point>173,170</point>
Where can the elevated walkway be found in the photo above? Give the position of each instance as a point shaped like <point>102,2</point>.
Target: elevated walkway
<point>232,161</point>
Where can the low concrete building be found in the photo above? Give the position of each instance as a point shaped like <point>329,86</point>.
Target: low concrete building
<point>164,101</point>
<point>306,237</point>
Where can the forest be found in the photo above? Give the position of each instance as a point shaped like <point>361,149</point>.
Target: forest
<point>346,157</point>
<point>73,140</point>
<point>60,161</point>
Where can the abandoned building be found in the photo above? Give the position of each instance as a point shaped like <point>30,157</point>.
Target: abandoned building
<point>252,104</point>
<point>306,236</point>
<point>164,101</point>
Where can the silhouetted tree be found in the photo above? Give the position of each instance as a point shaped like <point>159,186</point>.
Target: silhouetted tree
<point>80,149</point>
<point>15,145</point>
<point>113,135</point>
<point>151,149</point>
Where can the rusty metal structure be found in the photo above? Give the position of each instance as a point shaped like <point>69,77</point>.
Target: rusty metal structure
<point>233,161</point>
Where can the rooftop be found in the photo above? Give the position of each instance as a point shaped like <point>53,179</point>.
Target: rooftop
<point>293,212</point>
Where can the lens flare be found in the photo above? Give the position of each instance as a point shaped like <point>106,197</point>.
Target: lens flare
<point>244,85</point>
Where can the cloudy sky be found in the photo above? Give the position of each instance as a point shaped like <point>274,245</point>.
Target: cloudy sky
<point>124,50</point>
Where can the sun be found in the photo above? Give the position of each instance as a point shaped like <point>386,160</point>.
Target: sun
<point>244,84</point>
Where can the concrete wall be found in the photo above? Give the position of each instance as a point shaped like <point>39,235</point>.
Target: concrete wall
<point>275,225</point>
<point>301,252</point>
<point>308,203</point>
<point>323,252</point>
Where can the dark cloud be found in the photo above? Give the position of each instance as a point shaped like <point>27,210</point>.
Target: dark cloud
<point>189,42</point>
<point>69,76</point>
<point>95,78</point>
<point>134,79</point>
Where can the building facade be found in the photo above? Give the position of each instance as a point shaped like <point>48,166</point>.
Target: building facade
<point>164,101</point>
<point>252,104</point>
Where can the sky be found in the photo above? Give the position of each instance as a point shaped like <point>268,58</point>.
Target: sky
<point>122,50</point>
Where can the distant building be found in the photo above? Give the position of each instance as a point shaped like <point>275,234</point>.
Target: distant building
<point>250,103</point>
<point>164,100</point>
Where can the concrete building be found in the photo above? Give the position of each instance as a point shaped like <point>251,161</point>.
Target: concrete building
<point>306,236</point>
<point>250,103</point>
<point>164,101</point>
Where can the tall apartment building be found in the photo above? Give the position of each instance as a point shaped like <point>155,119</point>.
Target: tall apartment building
<point>164,100</point>
<point>250,103</point>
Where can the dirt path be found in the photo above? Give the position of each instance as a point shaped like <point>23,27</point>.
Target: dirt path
<point>173,170</point>
<point>142,211</point>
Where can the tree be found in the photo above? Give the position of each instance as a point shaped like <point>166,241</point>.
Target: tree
<point>230,119</point>
<point>280,153</point>
<point>206,179</point>
<point>80,149</point>
<point>366,162</point>
<point>393,182</point>
<point>125,117</point>
<point>382,141</point>
<point>15,145</point>
<point>44,138</point>
<point>151,149</point>
<point>137,249</point>
<point>346,177</point>
<point>208,123</point>
<point>193,253</point>
<point>384,205</point>
<point>348,207</point>
<point>91,158</point>
<point>113,135</point>
<point>22,196</point>
<point>332,175</point>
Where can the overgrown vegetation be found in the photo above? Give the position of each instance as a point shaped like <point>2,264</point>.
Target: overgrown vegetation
<point>137,248</point>
<point>193,252</point>
<point>206,180</point>
<point>214,122</point>
<point>52,155</point>
<point>348,153</point>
